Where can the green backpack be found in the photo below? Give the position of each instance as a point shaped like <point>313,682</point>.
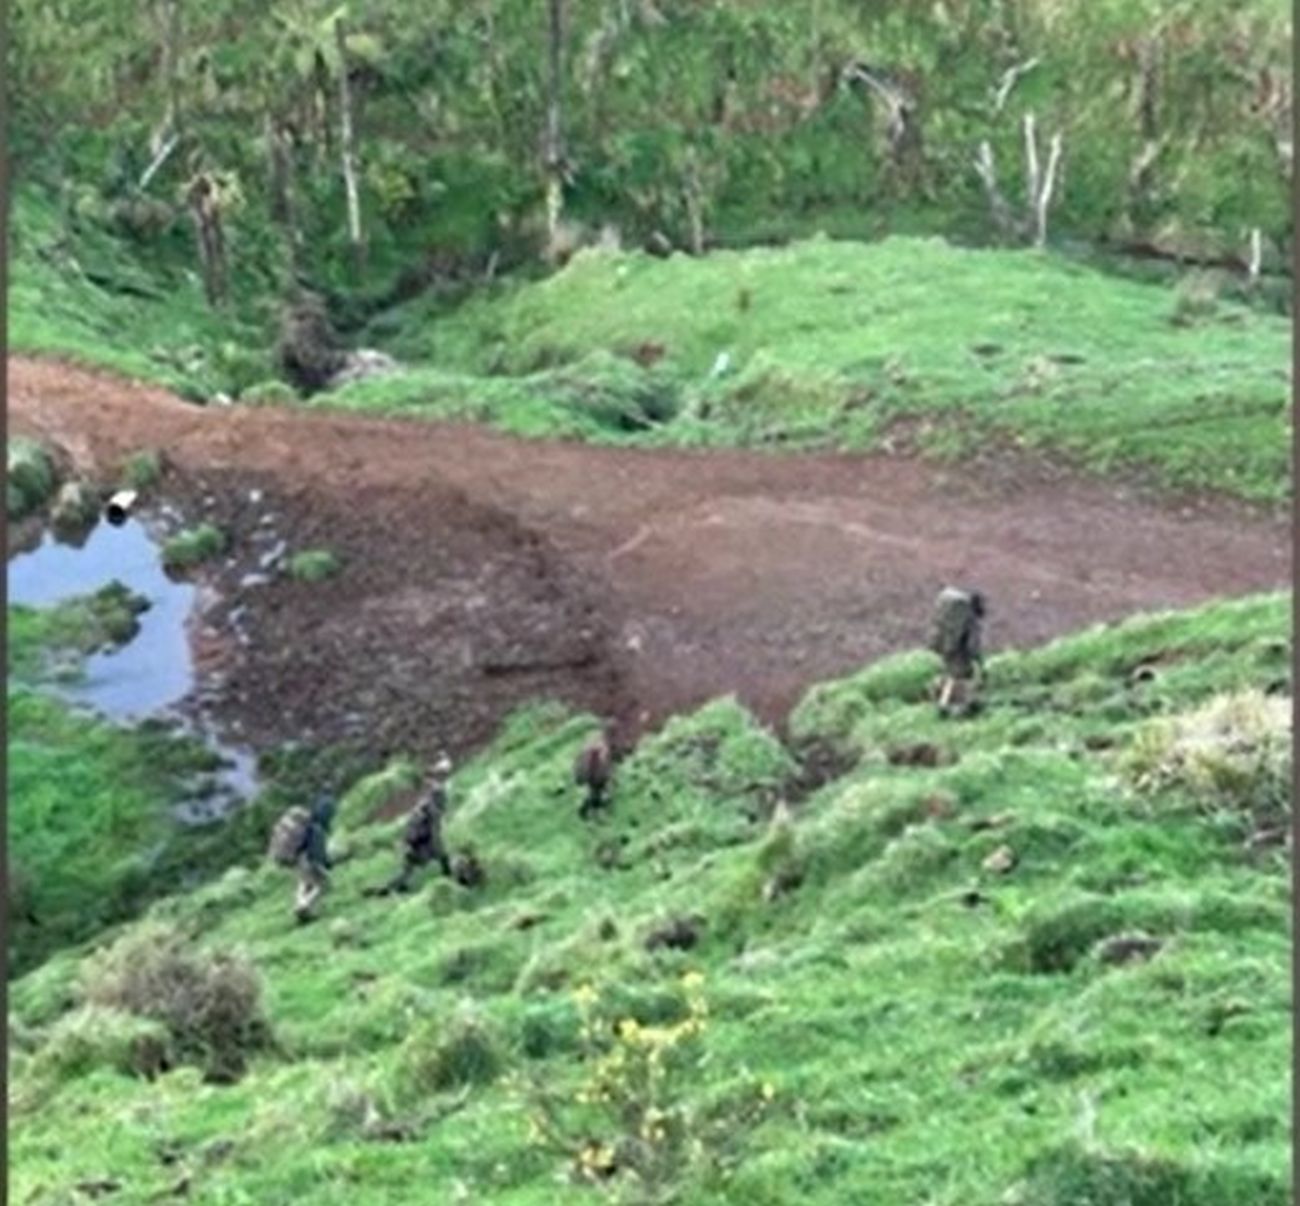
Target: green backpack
<point>289,837</point>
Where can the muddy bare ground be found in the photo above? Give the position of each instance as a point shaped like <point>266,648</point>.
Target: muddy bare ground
<point>481,571</point>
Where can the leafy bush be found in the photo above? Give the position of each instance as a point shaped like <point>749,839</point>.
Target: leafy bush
<point>209,1002</point>
<point>313,565</point>
<point>193,546</point>
<point>31,477</point>
<point>628,1125</point>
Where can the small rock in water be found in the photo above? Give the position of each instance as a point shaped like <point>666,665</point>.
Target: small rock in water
<point>255,496</point>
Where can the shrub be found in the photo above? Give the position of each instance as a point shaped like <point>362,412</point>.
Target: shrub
<point>193,546</point>
<point>1074,1174</point>
<point>31,477</point>
<point>142,469</point>
<point>269,393</point>
<point>628,1124</point>
<point>99,1037</point>
<point>1196,299</point>
<point>209,1002</point>
<point>1235,750</point>
<point>313,565</point>
<point>448,1054</point>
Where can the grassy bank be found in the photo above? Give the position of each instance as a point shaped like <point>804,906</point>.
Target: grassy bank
<point>916,978</point>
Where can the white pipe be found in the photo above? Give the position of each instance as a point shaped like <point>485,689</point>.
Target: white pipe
<point>119,506</point>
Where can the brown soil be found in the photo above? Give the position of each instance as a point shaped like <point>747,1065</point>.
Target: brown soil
<point>481,571</point>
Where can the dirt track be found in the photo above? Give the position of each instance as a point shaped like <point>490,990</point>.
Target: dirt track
<point>482,570</point>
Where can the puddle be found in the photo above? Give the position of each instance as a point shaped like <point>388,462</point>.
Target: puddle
<point>154,671</point>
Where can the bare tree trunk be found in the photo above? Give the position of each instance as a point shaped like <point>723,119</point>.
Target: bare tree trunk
<point>1256,257</point>
<point>347,152</point>
<point>998,207</point>
<point>205,206</point>
<point>171,64</point>
<point>553,153</point>
<point>280,186</point>
<point>1044,200</point>
<point>1031,163</point>
<point>694,197</point>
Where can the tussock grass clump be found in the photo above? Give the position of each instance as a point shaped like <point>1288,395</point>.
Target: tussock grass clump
<point>1073,1174</point>
<point>313,565</point>
<point>269,393</point>
<point>142,469</point>
<point>1233,751</point>
<point>31,478</point>
<point>209,1002</point>
<point>193,547</point>
<point>1196,299</point>
<point>441,1055</point>
<point>96,1036</point>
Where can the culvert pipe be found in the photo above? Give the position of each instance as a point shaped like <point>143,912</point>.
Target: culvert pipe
<point>120,506</point>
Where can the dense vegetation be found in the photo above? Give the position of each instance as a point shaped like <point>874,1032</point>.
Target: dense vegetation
<point>708,123</point>
<point>1019,963</point>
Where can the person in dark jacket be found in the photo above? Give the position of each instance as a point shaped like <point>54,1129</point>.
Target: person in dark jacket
<point>593,769</point>
<point>422,842</point>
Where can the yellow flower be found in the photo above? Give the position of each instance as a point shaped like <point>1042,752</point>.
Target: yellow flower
<point>692,979</point>
<point>585,994</point>
<point>628,1029</point>
<point>769,1090</point>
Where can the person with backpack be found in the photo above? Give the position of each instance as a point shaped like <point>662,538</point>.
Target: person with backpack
<point>422,842</point>
<point>957,639</point>
<point>593,769</point>
<point>300,841</point>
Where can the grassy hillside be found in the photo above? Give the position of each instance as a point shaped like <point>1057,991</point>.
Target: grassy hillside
<point>836,344</point>
<point>907,991</point>
<point>92,835</point>
<point>906,342</point>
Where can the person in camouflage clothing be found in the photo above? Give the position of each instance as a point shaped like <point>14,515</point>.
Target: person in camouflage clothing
<point>301,841</point>
<point>957,639</point>
<point>422,842</point>
<point>592,769</point>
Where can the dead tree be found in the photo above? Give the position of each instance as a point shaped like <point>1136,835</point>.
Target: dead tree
<point>203,195</point>
<point>1256,260</point>
<point>903,141</point>
<point>1040,184</point>
<point>552,147</point>
<point>348,157</point>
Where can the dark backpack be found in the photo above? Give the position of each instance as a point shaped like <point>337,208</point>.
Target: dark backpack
<point>591,767</point>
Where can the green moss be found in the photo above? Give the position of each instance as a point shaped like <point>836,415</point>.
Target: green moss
<point>193,547</point>
<point>313,565</point>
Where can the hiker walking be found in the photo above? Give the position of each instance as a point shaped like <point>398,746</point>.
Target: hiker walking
<point>958,617</point>
<point>593,769</point>
<point>301,840</point>
<point>422,836</point>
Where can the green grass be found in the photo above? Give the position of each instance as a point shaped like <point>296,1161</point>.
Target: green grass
<point>80,292</point>
<point>921,1049</point>
<point>834,343</point>
<point>313,565</point>
<point>829,344</point>
<point>193,546</point>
